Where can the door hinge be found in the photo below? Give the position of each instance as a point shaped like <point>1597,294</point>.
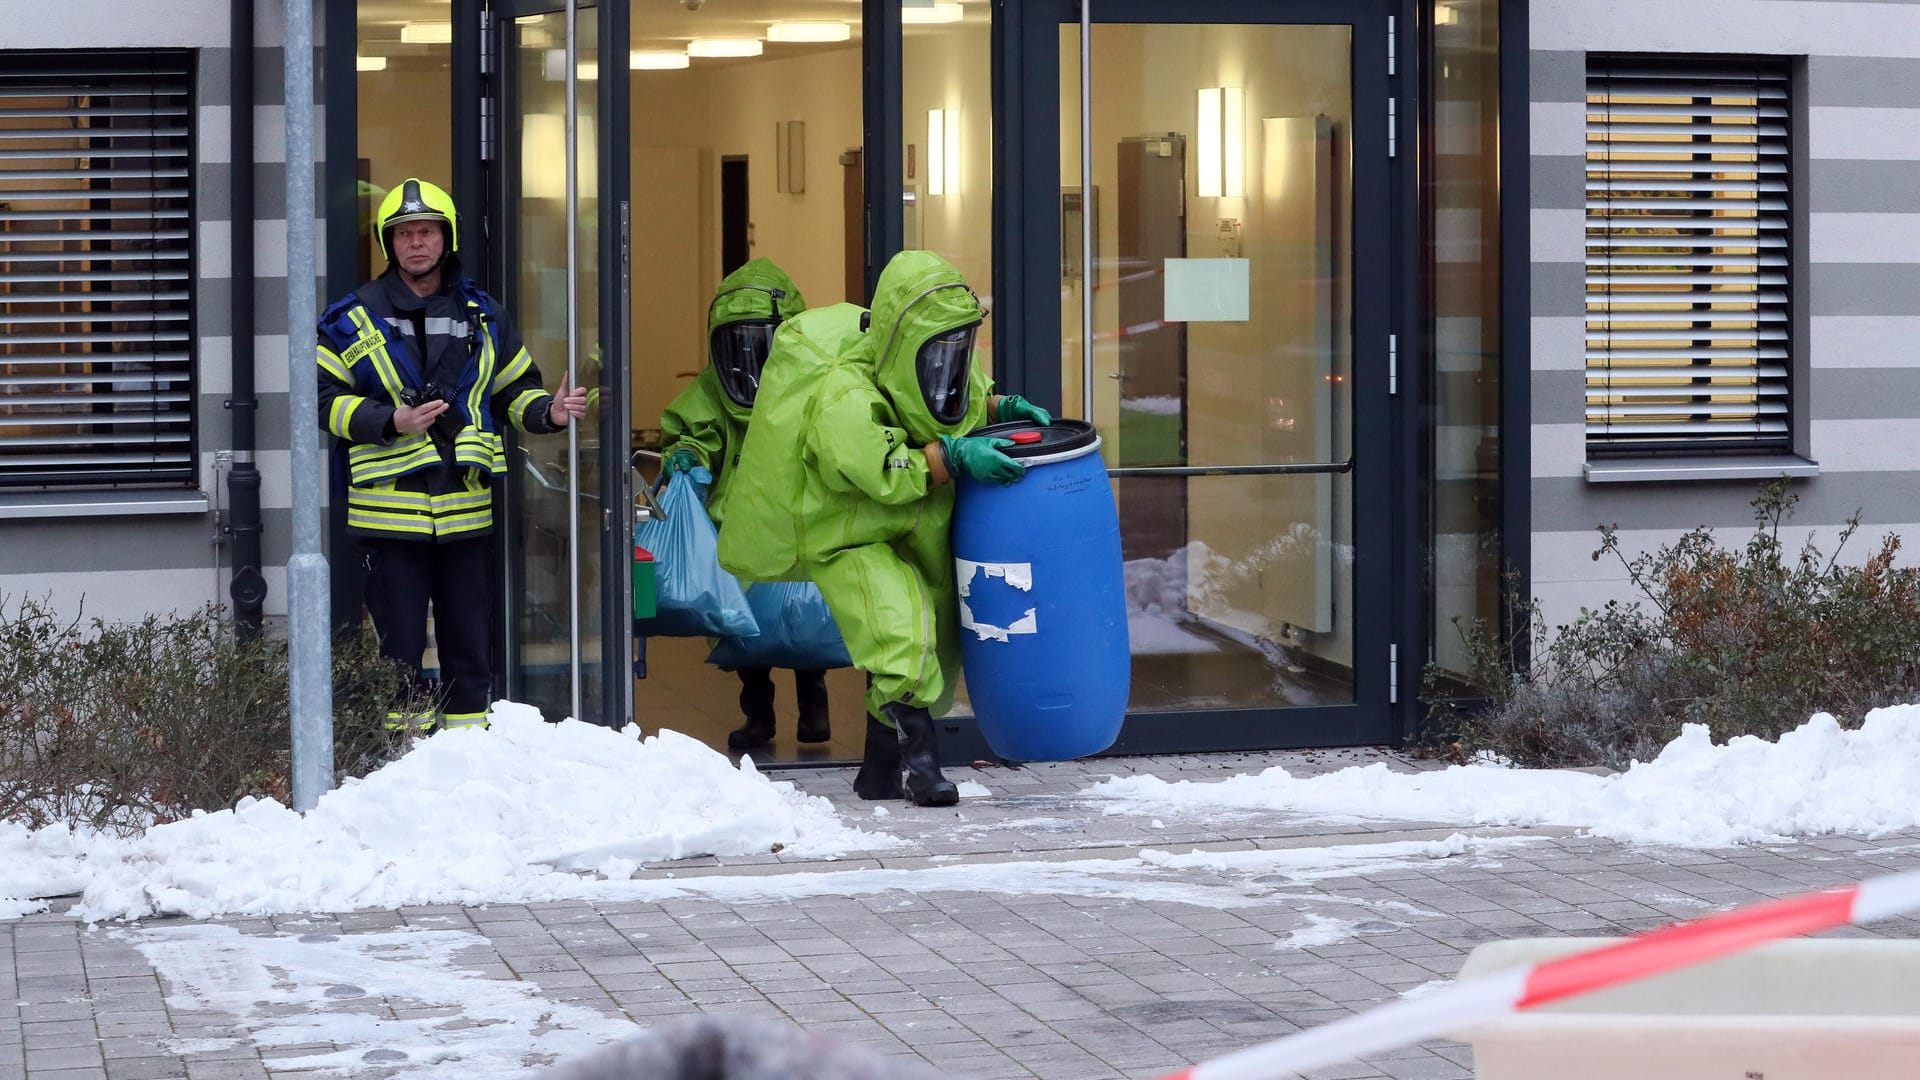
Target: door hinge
<point>486,127</point>
<point>1393,127</point>
<point>1393,363</point>
<point>1393,42</point>
<point>486,42</point>
<point>1393,674</point>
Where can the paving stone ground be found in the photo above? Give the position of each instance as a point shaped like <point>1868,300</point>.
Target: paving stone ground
<point>1101,975</point>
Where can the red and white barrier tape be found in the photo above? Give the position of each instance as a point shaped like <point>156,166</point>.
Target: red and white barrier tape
<point>1474,1001</point>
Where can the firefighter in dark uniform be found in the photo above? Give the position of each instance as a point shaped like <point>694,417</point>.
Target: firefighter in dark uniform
<point>419,373</point>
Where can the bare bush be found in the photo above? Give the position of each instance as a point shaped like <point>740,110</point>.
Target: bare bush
<point>1748,641</point>
<point>120,725</point>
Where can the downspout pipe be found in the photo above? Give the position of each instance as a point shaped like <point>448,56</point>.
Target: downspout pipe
<point>249,587</point>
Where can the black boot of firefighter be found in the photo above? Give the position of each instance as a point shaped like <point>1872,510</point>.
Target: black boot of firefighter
<point>920,753</point>
<point>879,776</point>
<point>810,690</point>
<point>756,704</point>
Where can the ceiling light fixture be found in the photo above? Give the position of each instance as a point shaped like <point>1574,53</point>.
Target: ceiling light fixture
<point>427,33</point>
<point>369,63</point>
<point>655,60</point>
<point>723,47</point>
<point>809,31</point>
<point>943,11</point>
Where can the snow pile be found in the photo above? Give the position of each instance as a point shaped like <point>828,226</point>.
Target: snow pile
<point>47,862</point>
<point>510,814</point>
<point>1816,779</point>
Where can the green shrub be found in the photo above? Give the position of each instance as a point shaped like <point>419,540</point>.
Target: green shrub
<point>1747,641</point>
<point>117,725</point>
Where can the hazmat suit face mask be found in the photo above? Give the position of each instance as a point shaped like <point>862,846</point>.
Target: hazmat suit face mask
<point>739,351</point>
<point>943,365</point>
<point>739,347</point>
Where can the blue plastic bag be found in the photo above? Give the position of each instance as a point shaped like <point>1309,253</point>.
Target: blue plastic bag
<point>697,598</point>
<point>796,631</point>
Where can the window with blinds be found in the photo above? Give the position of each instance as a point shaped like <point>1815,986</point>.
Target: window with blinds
<point>1687,256</point>
<point>96,243</point>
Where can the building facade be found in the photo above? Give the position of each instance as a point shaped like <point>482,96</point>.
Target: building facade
<point>1381,306</point>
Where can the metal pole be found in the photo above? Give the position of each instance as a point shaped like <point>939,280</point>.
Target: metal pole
<point>1087,273</point>
<point>310,661</point>
<point>573,367</point>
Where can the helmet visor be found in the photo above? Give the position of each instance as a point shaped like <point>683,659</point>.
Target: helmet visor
<point>739,352</point>
<point>943,365</point>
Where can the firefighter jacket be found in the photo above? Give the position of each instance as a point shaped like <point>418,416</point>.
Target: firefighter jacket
<point>382,346</point>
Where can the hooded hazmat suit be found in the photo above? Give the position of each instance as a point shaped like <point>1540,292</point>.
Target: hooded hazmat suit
<point>833,486</point>
<point>707,423</point>
<point>705,418</point>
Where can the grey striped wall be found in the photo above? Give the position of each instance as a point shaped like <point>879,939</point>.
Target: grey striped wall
<point>1857,278</point>
<point>122,566</point>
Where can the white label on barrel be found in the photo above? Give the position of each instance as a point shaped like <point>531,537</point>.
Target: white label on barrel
<point>1018,575</point>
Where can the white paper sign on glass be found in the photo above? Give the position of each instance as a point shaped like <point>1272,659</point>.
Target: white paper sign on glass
<point>1207,290</point>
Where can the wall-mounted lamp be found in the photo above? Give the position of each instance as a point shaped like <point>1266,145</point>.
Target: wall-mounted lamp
<point>554,67</point>
<point>543,156</point>
<point>369,63</point>
<point>427,33</point>
<point>790,156</point>
<point>1220,139</point>
<point>723,47</point>
<point>943,151</point>
<point>1445,15</point>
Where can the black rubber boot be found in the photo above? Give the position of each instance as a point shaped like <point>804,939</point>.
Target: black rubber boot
<point>810,689</point>
<point>879,776</point>
<point>756,703</point>
<point>920,753</point>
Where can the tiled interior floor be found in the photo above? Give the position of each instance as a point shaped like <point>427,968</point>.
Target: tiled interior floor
<point>685,693</point>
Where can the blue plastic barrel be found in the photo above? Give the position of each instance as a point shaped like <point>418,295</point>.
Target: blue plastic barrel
<point>1043,606</point>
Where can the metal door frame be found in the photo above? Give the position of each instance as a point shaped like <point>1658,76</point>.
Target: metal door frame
<point>490,156</point>
<point>1026,156</point>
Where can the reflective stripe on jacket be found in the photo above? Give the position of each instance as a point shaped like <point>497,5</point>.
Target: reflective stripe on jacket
<point>413,485</point>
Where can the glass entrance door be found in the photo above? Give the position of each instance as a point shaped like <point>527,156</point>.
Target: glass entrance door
<point>1227,333</point>
<point>554,493</point>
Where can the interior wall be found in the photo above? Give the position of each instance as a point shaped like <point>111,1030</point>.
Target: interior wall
<point>684,122</point>
<point>951,67</point>
<point>406,129</point>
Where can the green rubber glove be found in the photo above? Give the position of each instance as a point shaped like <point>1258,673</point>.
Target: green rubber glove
<point>979,457</point>
<point>682,460</point>
<point>1015,407</point>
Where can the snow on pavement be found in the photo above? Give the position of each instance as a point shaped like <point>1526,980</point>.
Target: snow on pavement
<point>529,811</point>
<point>416,1005</point>
<point>399,1002</point>
<point>1817,779</point>
<point>510,814</point>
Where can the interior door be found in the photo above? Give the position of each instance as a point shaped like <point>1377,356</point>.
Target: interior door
<point>566,496</point>
<point>1152,353</point>
<point>1230,341</point>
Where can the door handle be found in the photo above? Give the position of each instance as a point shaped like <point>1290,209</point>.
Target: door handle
<point>1301,468</point>
<point>649,508</point>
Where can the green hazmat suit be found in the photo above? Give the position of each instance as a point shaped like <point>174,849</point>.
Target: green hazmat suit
<point>703,417</point>
<point>832,485</point>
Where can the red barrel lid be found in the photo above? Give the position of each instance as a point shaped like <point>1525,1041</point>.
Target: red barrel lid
<point>1025,437</point>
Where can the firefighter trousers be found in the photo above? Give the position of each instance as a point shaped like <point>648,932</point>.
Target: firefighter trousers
<point>453,577</point>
